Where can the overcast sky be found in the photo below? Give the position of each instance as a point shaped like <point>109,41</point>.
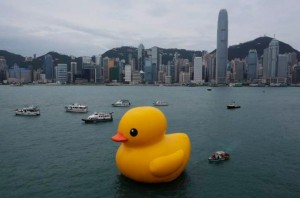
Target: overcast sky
<point>91,27</point>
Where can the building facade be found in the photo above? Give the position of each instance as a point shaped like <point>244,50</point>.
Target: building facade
<point>62,73</point>
<point>48,67</point>
<point>198,70</point>
<point>222,47</point>
<point>252,62</point>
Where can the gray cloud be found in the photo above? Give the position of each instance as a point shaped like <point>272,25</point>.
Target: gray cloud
<point>94,26</point>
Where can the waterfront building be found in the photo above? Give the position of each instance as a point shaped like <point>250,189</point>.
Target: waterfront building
<point>265,64</point>
<point>140,61</point>
<point>3,68</point>
<point>115,73</point>
<point>73,71</point>
<point>3,65</point>
<point>62,73</point>
<point>170,73</point>
<point>198,70</point>
<point>282,71</point>
<point>184,78</point>
<point>107,64</point>
<point>48,67</point>
<point>148,73</point>
<point>210,74</point>
<point>155,62</point>
<point>222,47</point>
<point>19,75</point>
<point>252,62</point>
<point>136,77</point>
<point>90,70</point>
<point>127,73</point>
<point>273,52</point>
<point>296,74</point>
<point>238,68</point>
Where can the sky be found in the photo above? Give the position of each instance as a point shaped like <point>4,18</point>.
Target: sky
<point>91,27</point>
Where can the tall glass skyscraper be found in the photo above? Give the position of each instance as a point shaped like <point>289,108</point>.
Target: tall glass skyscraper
<point>273,58</point>
<point>141,57</point>
<point>48,67</point>
<point>252,65</point>
<point>222,47</point>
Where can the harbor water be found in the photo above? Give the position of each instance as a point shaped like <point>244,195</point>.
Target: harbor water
<point>57,155</point>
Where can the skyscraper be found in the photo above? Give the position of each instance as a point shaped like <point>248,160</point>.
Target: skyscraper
<point>222,47</point>
<point>198,69</point>
<point>155,62</point>
<point>273,59</point>
<point>252,65</point>
<point>48,67</point>
<point>141,57</point>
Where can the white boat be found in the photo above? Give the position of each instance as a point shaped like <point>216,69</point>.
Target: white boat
<point>98,117</point>
<point>160,103</point>
<point>77,108</point>
<point>28,111</point>
<point>121,103</point>
<point>219,156</point>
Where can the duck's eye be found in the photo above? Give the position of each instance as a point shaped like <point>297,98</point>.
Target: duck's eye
<point>133,132</point>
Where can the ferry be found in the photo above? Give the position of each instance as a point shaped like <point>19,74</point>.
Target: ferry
<point>121,103</point>
<point>98,117</point>
<point>77,108</point>
<point>28,111</point>
<point>160,103</point>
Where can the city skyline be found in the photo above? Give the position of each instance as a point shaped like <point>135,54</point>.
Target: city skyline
<point>92,27</point>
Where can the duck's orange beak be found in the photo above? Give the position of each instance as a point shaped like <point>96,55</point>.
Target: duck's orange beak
<point>119,137</point>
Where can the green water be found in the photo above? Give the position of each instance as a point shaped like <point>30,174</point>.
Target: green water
<point>57,155</point>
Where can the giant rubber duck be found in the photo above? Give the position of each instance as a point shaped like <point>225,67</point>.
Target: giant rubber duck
<point>147,154</point>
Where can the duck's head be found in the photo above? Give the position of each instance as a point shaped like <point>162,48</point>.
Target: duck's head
<point>141,126</point>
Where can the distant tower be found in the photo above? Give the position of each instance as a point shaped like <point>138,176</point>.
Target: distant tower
<point>252,62</point>
<point>48,67</point>
<point>141,57</point>
<point>273,59</point>
<point>222,47</point>
<point>198,69</point>
<point>62,73</point>
<point>155,62</point>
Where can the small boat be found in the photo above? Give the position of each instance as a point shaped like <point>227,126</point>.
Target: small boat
<point>232,105</point>
<point>219,156</point>
<point>160,103</point>
<point>77,108</point>
<point>121,103</point>
<point>28,111</point>
<point>98,117</point>
<point>208,89</point>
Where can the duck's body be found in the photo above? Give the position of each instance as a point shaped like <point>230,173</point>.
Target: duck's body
<point>150,156</point>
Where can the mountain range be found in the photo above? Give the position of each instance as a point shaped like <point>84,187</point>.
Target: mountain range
<point>236,51</point>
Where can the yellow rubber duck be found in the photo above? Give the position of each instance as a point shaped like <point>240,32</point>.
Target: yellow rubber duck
<point>147,154</point>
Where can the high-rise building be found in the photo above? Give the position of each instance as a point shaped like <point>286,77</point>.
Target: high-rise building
<point>222,47</point>
<point>198,70</point>
<point>148,72</point>
<point>141,57</point>
<point>265,63</point>
<point>48,67</point>
<point>127,71</point>
<point>282,71</point>
<point>252,62</point>
<point>73,71</point>
<point>273,59</point>
<point>62,73</point>
<point>155,62</point>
